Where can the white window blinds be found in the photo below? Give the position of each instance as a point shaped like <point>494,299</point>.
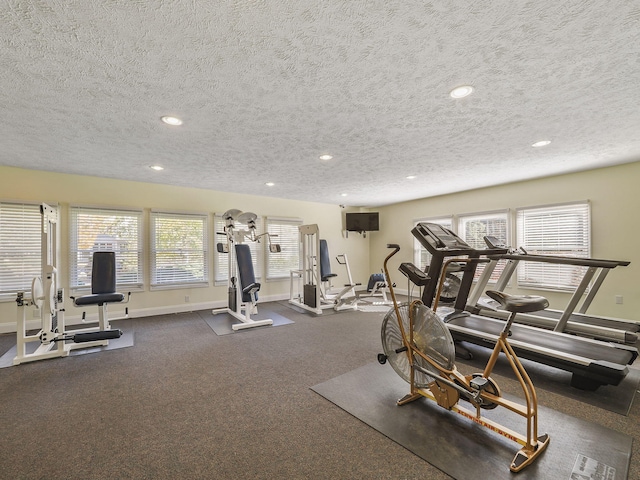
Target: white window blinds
<point>284,232</point>
<point>179,249</point>
<point>554,230</point>
<point>473,228</point>
<point>98,229</point>
<point>20,259</point>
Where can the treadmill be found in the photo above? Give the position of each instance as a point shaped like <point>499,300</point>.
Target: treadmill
<point>573,319</point>
<point>591,362</point>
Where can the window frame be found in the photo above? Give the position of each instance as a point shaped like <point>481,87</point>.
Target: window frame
<point>127,214</point>
<point>13,239</point>
<point>176,250</point>
<point>502,214</point>
<point>526,270</point>
<point>292,243</point>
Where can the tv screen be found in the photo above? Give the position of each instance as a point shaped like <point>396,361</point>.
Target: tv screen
<point>362,222</point>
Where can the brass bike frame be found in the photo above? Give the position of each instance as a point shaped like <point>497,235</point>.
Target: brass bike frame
<point>445,390</point>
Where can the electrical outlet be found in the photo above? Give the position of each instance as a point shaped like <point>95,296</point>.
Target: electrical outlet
<point>618,299</point>
<point>186,299</point>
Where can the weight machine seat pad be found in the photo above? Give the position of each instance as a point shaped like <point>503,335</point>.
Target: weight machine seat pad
<point>245,272</point>
<point>373,279</point>
<point>98,299</point>
<point>253,287</point>
<point>103,272</point>
<point>325,262</point>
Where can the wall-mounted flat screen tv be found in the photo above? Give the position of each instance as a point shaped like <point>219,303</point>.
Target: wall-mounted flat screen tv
<point>362,222</point>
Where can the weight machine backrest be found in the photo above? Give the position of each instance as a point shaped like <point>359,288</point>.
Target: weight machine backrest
<point>325,262</point>
<point>103,273</point>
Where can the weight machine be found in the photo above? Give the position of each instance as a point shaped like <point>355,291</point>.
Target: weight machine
<point>46,297</point>
<point>242,300</point>
<point>315,276</point>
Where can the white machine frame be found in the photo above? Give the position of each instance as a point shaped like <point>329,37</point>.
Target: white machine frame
<point>242,310</point>
<point>318,296</point>
<point>46,297</point>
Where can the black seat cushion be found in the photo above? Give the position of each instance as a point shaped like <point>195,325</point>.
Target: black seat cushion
<point>98,299</point>
<point>519,303</point>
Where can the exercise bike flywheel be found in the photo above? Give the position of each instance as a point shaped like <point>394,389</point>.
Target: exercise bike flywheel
<point>430,336</point>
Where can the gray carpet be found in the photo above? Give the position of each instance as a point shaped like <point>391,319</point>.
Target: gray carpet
<point>186,403</point>
<point>440,437</point>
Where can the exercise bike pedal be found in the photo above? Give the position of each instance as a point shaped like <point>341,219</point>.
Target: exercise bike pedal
<point>479,383</point>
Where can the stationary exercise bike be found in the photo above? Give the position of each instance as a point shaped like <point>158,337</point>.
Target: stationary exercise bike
<point>420,349</point>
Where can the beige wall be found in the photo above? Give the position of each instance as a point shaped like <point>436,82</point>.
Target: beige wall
<point>65,190</point>
<point>613,193</point>
<point>615,203</point>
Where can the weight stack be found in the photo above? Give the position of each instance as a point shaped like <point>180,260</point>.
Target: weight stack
<point>232,299</point>
<point>310,296</point>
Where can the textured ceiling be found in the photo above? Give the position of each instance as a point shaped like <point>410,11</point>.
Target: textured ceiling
<point>265,87</point>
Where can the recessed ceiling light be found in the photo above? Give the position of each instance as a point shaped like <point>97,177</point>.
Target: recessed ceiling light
<point>175,121</point>
<point>344,194</point>
<point>410,177</point>
<point>541,143</point>
<point>269,184</point>
<point>157,168</point>
<point>326,157</point>
<point>461,92</point>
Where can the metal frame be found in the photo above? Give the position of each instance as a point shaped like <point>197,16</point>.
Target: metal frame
<point>447,388</point>
<point>570,319</point>
<point>237,308</point>
<point>49,300</point>
<point>306,289</point>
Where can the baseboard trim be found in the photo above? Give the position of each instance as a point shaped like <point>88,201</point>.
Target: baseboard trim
<point>117,312</point>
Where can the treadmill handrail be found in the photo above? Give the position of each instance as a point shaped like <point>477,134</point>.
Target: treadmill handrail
<point>584,262</point>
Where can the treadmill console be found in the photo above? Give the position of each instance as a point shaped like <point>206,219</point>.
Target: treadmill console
<point>413,273</point>
<point>435,237</point>
<point>494,242</point>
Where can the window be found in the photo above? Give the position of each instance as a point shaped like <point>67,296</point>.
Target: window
<point>421,256</point>
<point>284,232</point>
<point>473,228</point>
<point>20,259</point>
<point>554,230</point>
<point>98,229</point>
<point>221,264</point>
<point>179,249</point>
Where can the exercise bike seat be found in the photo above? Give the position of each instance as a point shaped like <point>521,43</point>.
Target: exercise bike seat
<point>519,303</point>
